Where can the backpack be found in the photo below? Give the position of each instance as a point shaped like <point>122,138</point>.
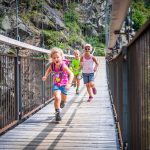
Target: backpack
<point>67,62</point>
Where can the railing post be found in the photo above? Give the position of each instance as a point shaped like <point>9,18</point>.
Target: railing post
<point>18,87</point>
<point>43,83</point>
<point>125,100</point>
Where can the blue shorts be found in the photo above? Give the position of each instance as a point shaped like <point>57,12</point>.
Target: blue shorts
<point>60,88</point>
<point>88,77</point>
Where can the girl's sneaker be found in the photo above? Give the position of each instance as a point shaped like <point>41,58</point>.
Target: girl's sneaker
<point>77,91</point>
<point>94,91</point>
<point>58,117</point>
<point>90,99</point>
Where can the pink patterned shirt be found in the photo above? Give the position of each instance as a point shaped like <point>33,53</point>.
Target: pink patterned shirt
<point>60,77</point>
<point>88,65</point>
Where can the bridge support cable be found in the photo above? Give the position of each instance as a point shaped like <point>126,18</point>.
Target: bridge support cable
<point>43,46</point>
<point>107,21</point>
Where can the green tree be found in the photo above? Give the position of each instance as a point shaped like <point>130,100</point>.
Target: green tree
<point>140,14</point>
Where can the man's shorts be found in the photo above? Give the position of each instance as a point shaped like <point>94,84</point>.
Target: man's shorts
<point>88,77</point>
<point>60,88</point>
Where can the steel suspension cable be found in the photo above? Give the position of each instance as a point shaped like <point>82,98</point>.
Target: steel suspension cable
<point>17,30</point>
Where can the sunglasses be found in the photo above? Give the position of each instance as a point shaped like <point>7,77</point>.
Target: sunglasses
<point>87,49</point>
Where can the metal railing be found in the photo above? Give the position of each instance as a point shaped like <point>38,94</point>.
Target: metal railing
<point>7,90</point>
<point>129,84</point>
<point>33,93</point>
<point>22,91</point>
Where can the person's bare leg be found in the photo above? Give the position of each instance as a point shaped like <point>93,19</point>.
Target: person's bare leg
<point>78,83</point>
<point>92,85</point>
<point>63,100</point>
<point>89,90</point>
<point>57,99</point>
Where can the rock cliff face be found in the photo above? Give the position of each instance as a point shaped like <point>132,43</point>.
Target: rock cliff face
<point>38,18</point>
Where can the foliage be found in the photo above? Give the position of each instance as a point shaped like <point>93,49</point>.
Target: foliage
<point>146,2</point>
<point>71,16</point>
<point>55,38</point>
<point>85,29</point>
<point>99,51</point>
<point>36,5</point>
<point>26,17</point>
<point>73,38</point>
<point>51,37</point>
<point>71,20</point>
<point>58,6</point>
<point>95,42</point>
<point>73,27</point>
<point>62,45</point>
<point>140,14</point>
<point>31,5</point>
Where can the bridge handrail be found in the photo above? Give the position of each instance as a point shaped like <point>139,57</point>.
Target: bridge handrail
<point>16,43</point>
<point>129,83</point>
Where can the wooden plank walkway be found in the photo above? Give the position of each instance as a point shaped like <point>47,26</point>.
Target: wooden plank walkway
<point>84,126</point>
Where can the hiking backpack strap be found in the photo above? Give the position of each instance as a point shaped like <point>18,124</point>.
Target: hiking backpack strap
<point>53,67</point>
<point>61,67</point>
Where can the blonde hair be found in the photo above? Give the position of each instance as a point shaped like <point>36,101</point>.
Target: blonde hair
<point>88,45</point>
<point>55,50</point>
<point>76,51</point>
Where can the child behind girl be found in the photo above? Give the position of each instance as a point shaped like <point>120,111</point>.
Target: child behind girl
<point>76,69</point>
<point>87,62</point>
<point>62,79</point>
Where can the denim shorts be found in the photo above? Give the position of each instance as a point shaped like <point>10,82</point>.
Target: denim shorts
<point>60,88</point>
<point>88,77</point>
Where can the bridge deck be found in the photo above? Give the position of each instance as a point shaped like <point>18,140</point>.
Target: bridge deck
<point>84,125</point>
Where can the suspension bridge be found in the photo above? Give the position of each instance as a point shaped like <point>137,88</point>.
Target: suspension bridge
<point>118,116</point>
